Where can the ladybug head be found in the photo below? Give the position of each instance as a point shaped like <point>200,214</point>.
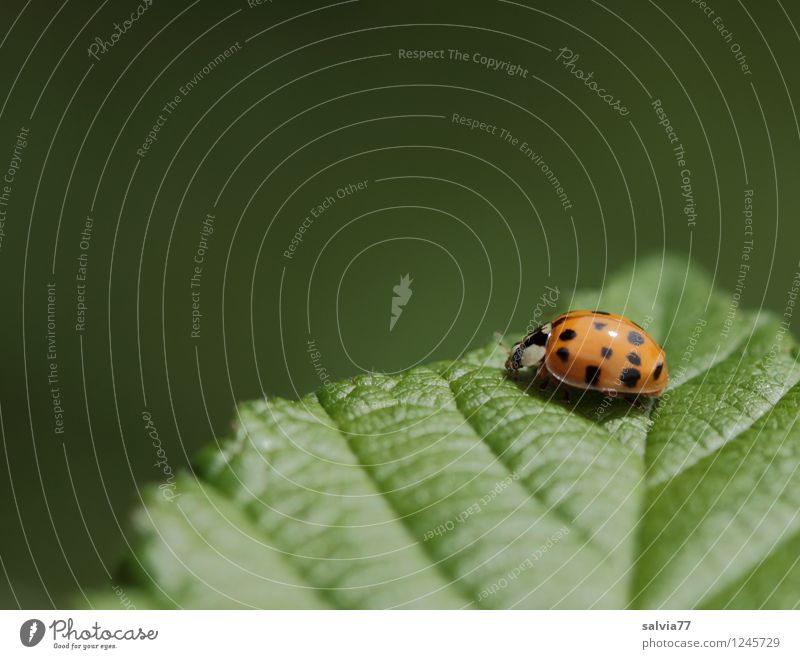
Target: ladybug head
<point>514,361</point>
<point>529,351</point>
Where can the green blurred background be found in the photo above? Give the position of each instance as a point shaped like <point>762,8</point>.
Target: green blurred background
<point>310,100</point>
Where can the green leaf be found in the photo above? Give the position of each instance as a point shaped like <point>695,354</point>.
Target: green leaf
<point>454,486</point>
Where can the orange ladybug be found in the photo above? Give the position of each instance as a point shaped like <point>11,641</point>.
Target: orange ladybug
<point>594,350</point>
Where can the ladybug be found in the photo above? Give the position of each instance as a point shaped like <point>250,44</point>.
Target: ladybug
<point>594,350</point>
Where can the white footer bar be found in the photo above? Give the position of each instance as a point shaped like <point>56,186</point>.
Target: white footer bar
<point>390,634</point>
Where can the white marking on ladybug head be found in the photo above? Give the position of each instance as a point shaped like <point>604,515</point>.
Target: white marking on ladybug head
<point>532,355</point>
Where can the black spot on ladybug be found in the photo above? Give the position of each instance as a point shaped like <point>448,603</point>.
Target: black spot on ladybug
<point>567,335</point>
<point>563,354</point>
<point>600,325</point>
<point>602,313</point>
<point>635,338</point>
<point>558,321</point>
<point>630,376</point>
<point>657,371</point>
<point>592,374</point>
<point>633,358</point>
<point>606,352</point>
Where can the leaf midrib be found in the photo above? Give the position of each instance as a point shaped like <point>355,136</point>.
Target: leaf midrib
<point>557,510</point>
<point>449,579</point>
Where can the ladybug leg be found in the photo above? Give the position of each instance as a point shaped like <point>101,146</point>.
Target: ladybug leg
<point>636,402</point>
<point>566,396</point>
<point>541,374</point>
